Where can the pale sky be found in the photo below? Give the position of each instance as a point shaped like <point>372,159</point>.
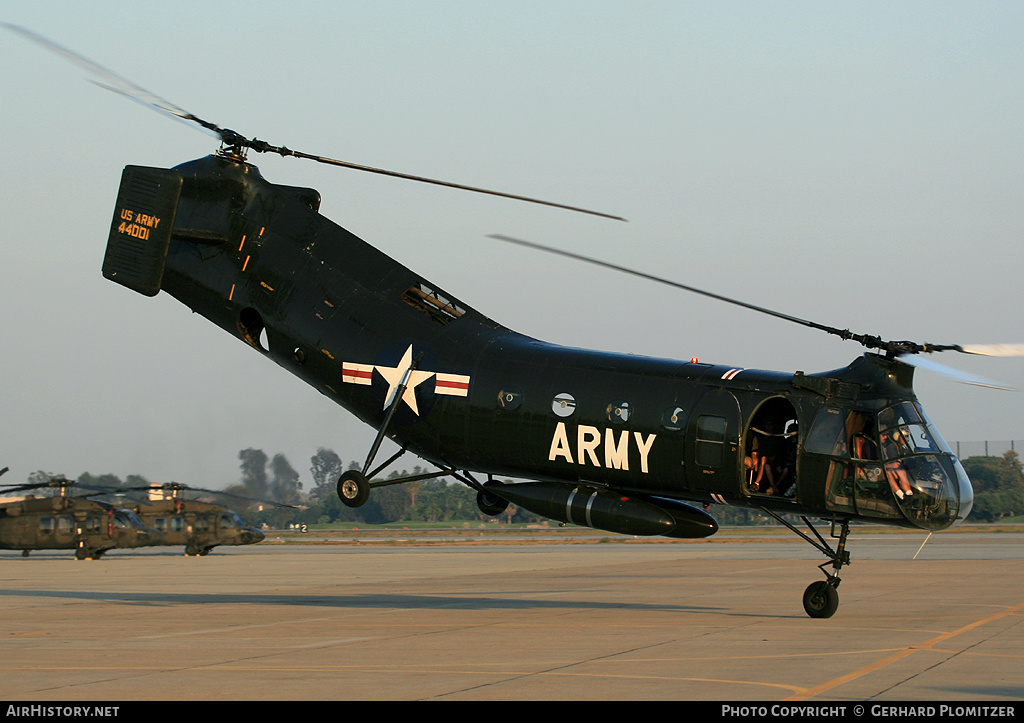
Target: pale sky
<point>858,164</point>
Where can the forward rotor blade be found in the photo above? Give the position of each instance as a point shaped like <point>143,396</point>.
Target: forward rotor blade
<point>650,277</point>
<point>960,376</point>
<point>994,349</point>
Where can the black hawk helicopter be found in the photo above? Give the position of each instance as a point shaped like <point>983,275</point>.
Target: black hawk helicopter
<point>618,442</point>
<point>198,525</point>
<point>66,522</point>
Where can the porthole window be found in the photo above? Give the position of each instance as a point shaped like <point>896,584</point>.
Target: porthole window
<point>674,419</point>
<point>563,405</point>
<point>618,412</point>
<point>510,398</point>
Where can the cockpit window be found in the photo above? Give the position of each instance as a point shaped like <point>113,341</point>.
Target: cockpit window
<point>125,518</point>
<point>899,414</point>
<point>230,519</point>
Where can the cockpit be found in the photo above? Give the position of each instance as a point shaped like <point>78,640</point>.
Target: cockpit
<point>126,519</point>
<point>230,518</point>
<point>891,464</point>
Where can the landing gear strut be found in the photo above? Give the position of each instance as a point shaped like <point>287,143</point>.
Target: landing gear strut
<point>821,598</point>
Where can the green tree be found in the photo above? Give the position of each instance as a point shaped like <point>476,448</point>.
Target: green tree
<point>326,467</point>
<point>998,486</point>
<point>284,485</point>
<point>254,472</point>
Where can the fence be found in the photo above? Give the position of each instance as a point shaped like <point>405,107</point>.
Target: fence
<point>988,448</point>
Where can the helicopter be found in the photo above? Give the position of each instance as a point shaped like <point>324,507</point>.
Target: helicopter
<point>66,522</point>
<point>618,442</point>
<point>199,526</point>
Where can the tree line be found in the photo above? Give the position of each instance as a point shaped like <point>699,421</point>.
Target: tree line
<point>998,494</point>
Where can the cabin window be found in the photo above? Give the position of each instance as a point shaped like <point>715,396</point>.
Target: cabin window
<point>252,329</point>
<point>177,524</point>
<point>828,433</point>
<point>160,523</point>
<point>65,525</point>
<point>563,404</point>
<point>618,412</point>
<point>674,419</point>
<point>47,524</point>
<point>710,440</point>
<point>432,303</point>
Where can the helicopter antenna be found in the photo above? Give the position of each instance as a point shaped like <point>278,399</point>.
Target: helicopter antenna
<point>893,349</point>
<point>235,145</point>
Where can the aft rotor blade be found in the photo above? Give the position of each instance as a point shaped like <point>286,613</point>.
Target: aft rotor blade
<point>408,177</point>
<point>118,84</point>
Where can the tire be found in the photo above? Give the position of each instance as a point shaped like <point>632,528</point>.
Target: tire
<point>821,599</point>
<point>353,489</point>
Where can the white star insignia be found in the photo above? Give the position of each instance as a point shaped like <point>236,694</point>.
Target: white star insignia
<point>454,385</point>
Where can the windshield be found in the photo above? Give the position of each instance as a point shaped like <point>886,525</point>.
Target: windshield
<point>125,518</point>
<point>930,486</point>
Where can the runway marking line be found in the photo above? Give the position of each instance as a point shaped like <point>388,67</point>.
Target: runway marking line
<point>927,645</point>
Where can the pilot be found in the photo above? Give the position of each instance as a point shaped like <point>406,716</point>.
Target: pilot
<point>894,444</point>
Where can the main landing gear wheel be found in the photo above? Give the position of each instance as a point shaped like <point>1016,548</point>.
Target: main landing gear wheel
<point>821,599</point>
<point>353,488</point>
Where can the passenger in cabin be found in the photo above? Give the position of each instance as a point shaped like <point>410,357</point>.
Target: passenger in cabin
<point>760,477</point>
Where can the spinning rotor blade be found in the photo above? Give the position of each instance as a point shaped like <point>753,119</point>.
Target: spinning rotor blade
<point>53,482</point>
<point>960,376</point>
<point>903,350</point>
<point>866,340</point>
<point>236,142</point>
<point>994,349</point>
<point>177,487</point>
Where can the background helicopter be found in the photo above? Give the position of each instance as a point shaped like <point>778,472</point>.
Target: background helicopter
<point>198,525</point>
<point>66,522</point>
<point>580,446</point>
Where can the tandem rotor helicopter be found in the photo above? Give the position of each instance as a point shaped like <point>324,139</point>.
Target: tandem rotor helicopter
<point>617,442</point>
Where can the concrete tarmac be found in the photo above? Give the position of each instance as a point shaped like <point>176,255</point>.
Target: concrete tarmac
<point>717,620</point>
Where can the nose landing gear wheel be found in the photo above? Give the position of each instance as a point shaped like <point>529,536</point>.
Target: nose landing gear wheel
<point>821,599</point>
<point>353,488</point>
